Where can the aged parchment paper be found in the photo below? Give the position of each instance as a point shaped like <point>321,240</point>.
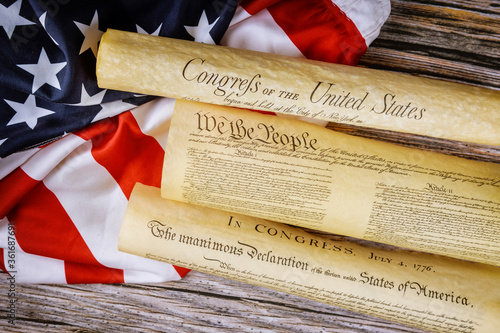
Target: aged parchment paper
<point>437,293</point>
<point>302,174</point>
<point>338,93</point>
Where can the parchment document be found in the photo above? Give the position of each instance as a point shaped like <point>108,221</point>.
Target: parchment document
<point>262,81</point>
<point>432,292</point>
<point>302,174</point>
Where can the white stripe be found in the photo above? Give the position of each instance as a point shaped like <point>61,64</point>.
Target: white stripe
<point>11,162</point>
<point>367,15</point>
<point>92,199</point>
<point>154,118</point>
<point>45,160</point>
<point>149,271</point>
<point>29,268</point>
<point>38,269</point>
<point>258,32</point>
<point>4,232</point>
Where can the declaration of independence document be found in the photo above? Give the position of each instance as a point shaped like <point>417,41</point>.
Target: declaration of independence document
<point>433,292</point>
<point>293,172</point>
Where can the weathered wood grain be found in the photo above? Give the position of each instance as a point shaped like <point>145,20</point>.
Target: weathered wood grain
<point>198,303</point>
<point>467,150</point>
<point>452,40</point>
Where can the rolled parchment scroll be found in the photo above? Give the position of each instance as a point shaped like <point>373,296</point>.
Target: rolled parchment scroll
<point>302,174</point>
<point>436,293</point>
<point>337,93</point>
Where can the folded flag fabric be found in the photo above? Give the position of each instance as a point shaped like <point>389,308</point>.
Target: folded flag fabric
<point>71,152</point>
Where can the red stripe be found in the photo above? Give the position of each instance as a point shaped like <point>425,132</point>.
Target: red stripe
<point>126,152</point>
<point>44,228</point>
<point>12,188</point>
<point>319,29</point>
<point>181,271</point>
<point>82,273</point>
<point>98,129</point>
<point>252,7</point>
<point>2,262</point>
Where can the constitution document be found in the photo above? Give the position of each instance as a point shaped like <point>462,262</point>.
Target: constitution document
<point>302,174</point>
<point>432,292</point>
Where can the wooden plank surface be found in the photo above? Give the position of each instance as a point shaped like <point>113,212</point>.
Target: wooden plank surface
<point>452,40</point>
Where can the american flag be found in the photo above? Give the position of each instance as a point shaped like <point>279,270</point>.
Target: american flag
<point>71,152</point>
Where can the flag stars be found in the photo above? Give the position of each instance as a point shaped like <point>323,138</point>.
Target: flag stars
<point>144,32</point>
<point>43,19</point>
<point>112,108</point>
<point>201,32</point>
<point>10,18</point>
<point>27,112</point>
<point>107,109</point>
<point>92,34</point>
<point>87,99</point>
<point>44,72</point>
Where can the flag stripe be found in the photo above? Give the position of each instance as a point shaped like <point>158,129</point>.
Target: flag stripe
<point>99,226</point>
<point>54,235</point>
<point>47,159</point>
<point>4,242</point>
<point>11,162</point>
<point>38,269</point>
<point>258,32</point>
<point>317,30</point>
<point>367,15</point>
<point>96,214</point>
<point>320,30</point>
<point>2,260</point>
<point>126,145</point>
<point>252,7</point>
<point>123,143</point>
<point>13,188</point>
<point>181,270</point>
<point>154,118</point>
<point>83,273</point>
